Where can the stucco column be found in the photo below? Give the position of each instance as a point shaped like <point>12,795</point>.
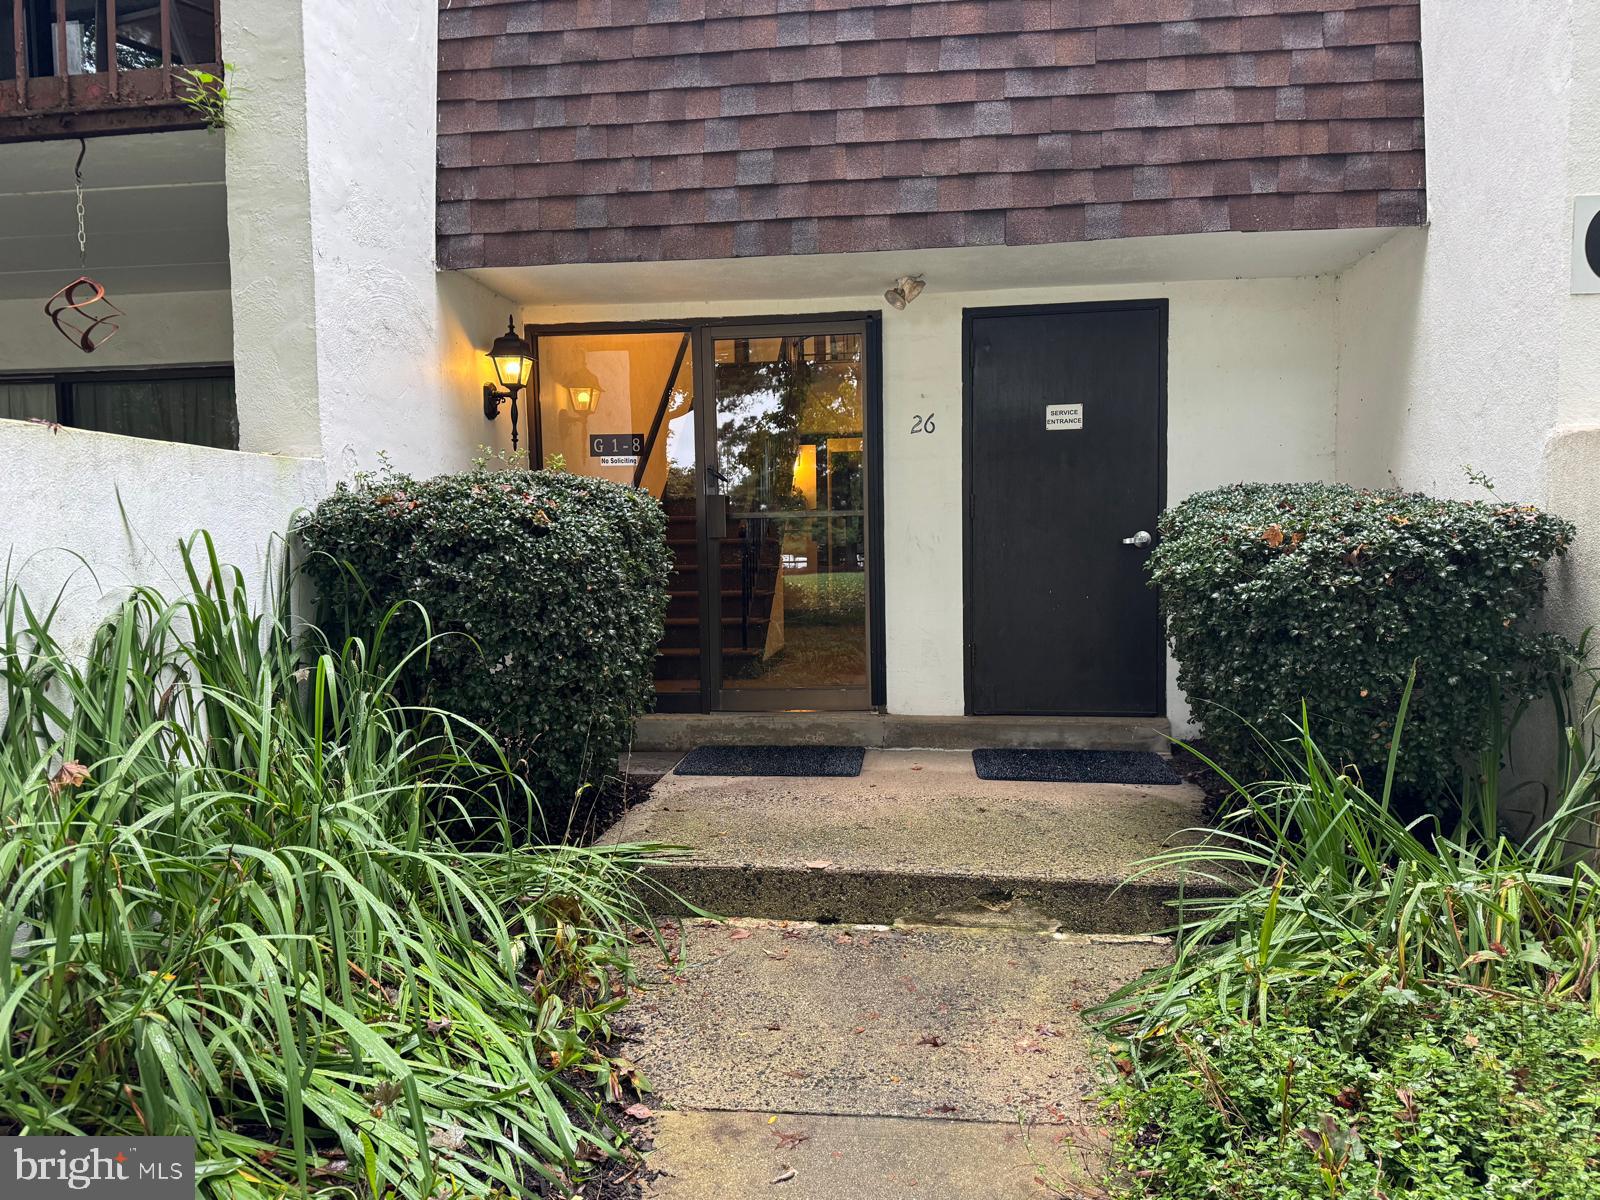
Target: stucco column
<point>269,228</point>
<point>348,344</point>
<point>400,349</point>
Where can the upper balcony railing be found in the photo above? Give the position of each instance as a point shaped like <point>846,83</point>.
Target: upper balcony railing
<point>75,67</point>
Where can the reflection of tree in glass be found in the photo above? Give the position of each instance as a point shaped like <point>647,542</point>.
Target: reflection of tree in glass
<point>767,409</point>
<point>130,57</point>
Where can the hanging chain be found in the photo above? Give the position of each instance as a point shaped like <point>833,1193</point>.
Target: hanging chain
<point>77,188</point>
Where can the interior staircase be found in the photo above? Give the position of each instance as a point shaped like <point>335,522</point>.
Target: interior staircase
<point>750,562</point>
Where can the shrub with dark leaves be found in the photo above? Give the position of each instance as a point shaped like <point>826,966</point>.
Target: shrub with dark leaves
<point>1278,593</point>
<point>550,589</point>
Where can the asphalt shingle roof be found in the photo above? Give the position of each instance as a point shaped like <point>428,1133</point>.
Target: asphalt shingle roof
<point>618,130</point>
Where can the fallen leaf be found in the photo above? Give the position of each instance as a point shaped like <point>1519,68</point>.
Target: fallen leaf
<point>774,1026</point>
<point>439,1026</point>
<point>775,954</point>
<point>1408,1104</point>
<point>789,1141</point>
<point>1470,1041</point>
<point>1272,536</point>
<point>449,1137</point>
<point>71,774</point>
<point>941,1108</point>
<point>820,864</point>
<point>930,1039</point>
<point>738,935</point>
<point>785,1177</point>
<point>859,1029</point>
<point>1029,1045</point>
<point>639,1112</point>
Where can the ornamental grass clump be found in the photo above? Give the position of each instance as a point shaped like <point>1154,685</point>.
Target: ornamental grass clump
<point>226,913</point>
<point>547,596</point>
<point>1276,594</point>
<point>1368,1006</point>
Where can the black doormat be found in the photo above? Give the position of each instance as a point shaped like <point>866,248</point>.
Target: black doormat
<point>1074,766</point>
<point>773,760</point>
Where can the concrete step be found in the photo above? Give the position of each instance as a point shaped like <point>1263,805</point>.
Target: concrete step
<point>939,1062</point>
<point>918,838</point>
<point>684,731</point>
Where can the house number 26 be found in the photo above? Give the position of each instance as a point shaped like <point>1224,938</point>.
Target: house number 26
<point>921,424</point>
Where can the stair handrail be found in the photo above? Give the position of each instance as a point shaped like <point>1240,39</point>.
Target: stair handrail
<point>661,413</point>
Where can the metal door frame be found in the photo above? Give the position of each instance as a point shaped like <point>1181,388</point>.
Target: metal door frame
<point>870,326</point>
<point>1160,306</point>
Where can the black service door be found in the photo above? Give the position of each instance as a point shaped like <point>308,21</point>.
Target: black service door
<point>1065,429</point>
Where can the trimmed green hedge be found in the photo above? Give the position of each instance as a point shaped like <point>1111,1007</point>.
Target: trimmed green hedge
<point>1274,593</point>
<point>557,581</point>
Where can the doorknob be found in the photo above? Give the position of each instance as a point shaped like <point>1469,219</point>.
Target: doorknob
<point>1140,539</point>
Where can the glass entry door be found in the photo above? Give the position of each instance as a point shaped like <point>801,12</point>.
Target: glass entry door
<point>784,478</point>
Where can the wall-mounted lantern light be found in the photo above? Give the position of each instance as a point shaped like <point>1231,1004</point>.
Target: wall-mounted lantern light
<point>513,366</point>
<point>583,399</point>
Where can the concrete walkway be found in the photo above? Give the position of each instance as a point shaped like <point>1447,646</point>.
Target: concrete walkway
<point>938,1051</point>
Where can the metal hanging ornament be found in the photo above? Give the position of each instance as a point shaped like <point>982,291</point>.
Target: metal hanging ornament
<point>80,310</point>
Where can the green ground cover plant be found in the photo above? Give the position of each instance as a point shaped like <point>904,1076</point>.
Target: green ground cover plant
<point>1275,594</point>
<point>546,592</point>
<point>1369,1006</point>
<point>227,912</point>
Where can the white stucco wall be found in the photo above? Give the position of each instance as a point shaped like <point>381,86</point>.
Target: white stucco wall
<point>399,348</point>
<point>124,504</point>
<point>348,343</point>
<point>269,229</point>
<point>1251,387</point>
<point>1460,345</point>
<point>1449,336</point>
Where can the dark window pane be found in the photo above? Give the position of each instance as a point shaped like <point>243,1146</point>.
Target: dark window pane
<point>199,410</point>
<point>28,401</point>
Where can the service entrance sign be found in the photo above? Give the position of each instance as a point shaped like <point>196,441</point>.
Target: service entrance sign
<point>1063,416</point>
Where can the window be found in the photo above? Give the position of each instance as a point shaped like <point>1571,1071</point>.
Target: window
<point>190,36</point>
<point>173,404</point>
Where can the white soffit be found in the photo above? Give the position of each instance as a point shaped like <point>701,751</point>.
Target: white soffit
<point>155,209</point>
<point>1171,259</point>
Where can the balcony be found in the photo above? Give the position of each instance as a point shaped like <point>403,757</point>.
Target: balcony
<point>73,68</point>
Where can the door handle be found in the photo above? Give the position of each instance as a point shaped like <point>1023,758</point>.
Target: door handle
<point>1140,539</point>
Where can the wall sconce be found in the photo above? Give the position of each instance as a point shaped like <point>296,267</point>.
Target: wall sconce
<point>513,366</point>
<point>583,399</point>
<point>906,289</point>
